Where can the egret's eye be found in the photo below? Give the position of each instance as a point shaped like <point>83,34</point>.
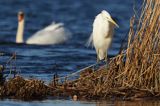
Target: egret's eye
<point>107,18</point>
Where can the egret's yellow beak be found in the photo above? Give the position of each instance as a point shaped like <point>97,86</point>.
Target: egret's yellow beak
<point>111,20</point>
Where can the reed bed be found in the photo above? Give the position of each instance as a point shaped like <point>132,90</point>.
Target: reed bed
<point>139,66</point>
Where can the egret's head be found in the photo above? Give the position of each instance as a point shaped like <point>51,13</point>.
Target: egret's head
<point>108,17</point>
<point>20,16</point>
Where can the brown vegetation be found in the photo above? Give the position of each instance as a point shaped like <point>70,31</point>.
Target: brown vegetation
<point>20,88</point>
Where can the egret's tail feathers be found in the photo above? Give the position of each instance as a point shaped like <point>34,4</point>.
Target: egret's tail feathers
<point>90,41</point>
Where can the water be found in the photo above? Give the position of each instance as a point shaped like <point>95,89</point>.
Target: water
<point>43,61</point>
<point>78,103</point>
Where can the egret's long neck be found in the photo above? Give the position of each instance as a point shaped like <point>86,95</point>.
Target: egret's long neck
<point>20,30</point>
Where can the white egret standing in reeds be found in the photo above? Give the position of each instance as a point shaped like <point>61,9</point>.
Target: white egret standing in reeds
<point>102,34</point>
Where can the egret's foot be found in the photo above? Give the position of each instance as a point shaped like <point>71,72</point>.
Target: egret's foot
<point>106,63</point>
<point>95,67</point>
<point>99,64</point>
<point>103,62</point>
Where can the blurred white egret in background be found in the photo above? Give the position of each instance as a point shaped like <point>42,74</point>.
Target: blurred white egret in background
<point>102,34</point>
<point>52,34</point>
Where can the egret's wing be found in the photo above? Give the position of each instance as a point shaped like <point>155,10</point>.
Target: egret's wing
<point>110,31</point>
<point>90,41</point>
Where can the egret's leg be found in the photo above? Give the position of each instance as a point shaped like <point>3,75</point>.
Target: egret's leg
<point>97,59</point>
<point>106,60</point>
<point>96,66</point>
<point>105,57</point>
<point>98,56</point>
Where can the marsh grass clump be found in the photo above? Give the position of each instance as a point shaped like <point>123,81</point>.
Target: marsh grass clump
<point>20,88</point>
<point>141,68</point>
<point>33,89</point>
<point>13,85</point>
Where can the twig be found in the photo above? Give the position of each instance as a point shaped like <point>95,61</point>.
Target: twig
<point>76,72</point>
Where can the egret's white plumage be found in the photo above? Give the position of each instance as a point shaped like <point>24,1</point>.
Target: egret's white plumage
<point>52,34</point>
<point>101,37</point>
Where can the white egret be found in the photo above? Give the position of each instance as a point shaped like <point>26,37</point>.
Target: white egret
<point>102,34</point>
<point>52,34</point>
